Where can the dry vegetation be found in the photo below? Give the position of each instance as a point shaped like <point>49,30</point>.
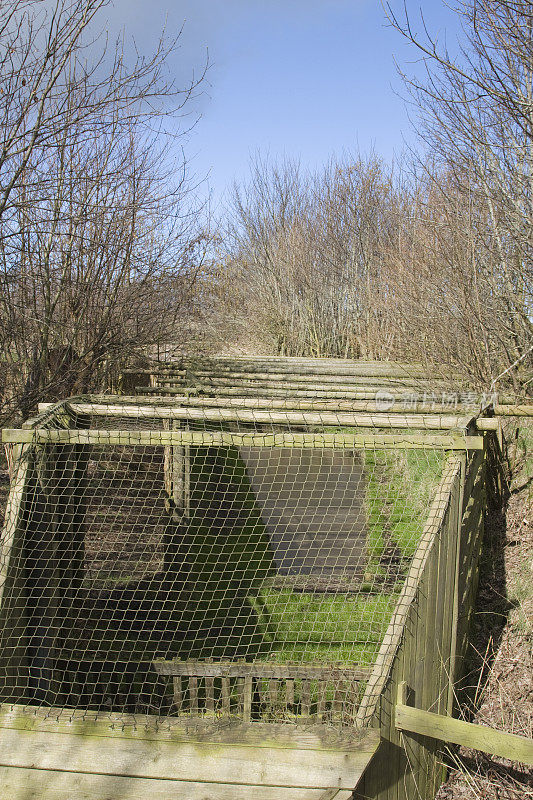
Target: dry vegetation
<point>498,690</point>
<point>427,261</point>
<point>99,246</point>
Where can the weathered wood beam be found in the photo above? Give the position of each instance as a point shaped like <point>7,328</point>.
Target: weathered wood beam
<point>19,783</point>
<point>456,731</point>
<point>423,441</point>
<point>281,392</point>
<point>486,424</point>
<point>296,365</point>
<point>513,410</point>
<point>288,403</point>
<point>236,669</point>
<point>228,376</point>
<point>290,384</point>
<point>377,420</point>
<point>271,754</point>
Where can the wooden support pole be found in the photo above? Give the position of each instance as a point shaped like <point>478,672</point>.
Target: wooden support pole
<point>101,405</point>
<point>487,424</point>
<point>177,488</point>
<point>513,410</point>
<point>378,419</point>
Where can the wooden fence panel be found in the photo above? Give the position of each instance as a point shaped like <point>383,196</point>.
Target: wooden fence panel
<point>428,645</point>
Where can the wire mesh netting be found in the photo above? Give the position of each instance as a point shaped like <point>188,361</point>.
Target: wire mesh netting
<point>214,571</point>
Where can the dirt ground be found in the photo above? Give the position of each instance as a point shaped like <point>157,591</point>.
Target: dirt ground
<point>498,689</point>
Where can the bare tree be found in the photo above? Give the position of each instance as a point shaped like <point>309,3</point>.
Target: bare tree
<point>477,120</point>
<point>307,250</point>
<point>98,241</point>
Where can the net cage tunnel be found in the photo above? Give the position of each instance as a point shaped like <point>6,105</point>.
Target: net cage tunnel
<point>164,562</point>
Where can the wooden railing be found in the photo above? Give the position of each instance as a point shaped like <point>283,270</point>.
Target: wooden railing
<point>265,690</point>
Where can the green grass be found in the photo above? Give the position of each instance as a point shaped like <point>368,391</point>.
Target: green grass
<point>325,627</point>
<point>400,486</point>
<point>225,607</point>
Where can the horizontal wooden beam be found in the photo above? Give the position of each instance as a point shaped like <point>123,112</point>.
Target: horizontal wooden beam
<point>298,365</point>
<point>266,416</point>
<point>375,405</point>
<point>236,669</point>
<point>466,734</point>
<point>487,424</point>
<point>281,391</point>
<point>422,441</point>
<point>20,783</point>
<point>292,384</point>
<point>513,410</point>
<point>229,376</point>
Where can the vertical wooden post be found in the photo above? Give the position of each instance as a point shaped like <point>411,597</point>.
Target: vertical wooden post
<point>13,591</point>
<point>453,669</point>
<point>177,489</point>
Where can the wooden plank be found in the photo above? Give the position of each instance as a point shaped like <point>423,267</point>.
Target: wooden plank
<point>176,471</point>
<point>224,439</point>
<point>177,694</point>
<point>210,695</point>
<point>193,694</point>
<point>239,669</point>
<point>101,725</point>
<point>13,514</point>
<point>273,687</point>
<point>466,734</point>
<point>289,692</point>
<point>14,611</point>
<point>427,651</point>
<point>486,424</point>
<point>280,392</point>
<point>198,761</point>
<point>408,663</point>
<point>322,691</point>
<point>453,588</point>
<point>437,683</point>
<point>239,691</point>
<point>334,369</point>
<point>37,784</point>
<point>289,417</point>
<point>315,366</point>
<point>226,696</point>
<point>291,385</point>
<point>305,697</point>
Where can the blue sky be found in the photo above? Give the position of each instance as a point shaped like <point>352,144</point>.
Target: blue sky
<point>302,78</point>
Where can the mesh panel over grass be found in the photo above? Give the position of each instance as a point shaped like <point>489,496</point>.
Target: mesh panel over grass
<point>289,555</point>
